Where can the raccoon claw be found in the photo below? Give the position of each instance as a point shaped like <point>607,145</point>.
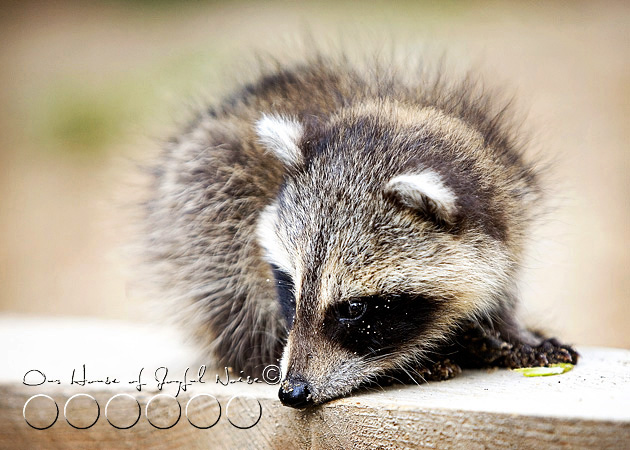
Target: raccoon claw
<point>555,352</point>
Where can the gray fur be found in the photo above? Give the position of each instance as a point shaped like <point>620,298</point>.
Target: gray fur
<point>227,201</point>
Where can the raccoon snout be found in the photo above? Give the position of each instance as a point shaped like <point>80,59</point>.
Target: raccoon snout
<point>295,393</point>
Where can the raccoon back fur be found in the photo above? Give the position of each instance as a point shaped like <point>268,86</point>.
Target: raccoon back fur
<point>358,222</point>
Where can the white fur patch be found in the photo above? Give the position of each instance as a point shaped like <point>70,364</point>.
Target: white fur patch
<point>281,135</point>
<point>284,362</point>
<point>274,251</point>
<point>414,189</point>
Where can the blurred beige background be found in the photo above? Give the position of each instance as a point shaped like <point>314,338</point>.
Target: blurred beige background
<point>86,88</point>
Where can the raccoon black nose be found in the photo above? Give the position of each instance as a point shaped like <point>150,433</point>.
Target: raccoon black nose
<point>294,393</point>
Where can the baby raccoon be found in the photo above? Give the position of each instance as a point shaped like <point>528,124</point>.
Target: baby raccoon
<point>359,224</point>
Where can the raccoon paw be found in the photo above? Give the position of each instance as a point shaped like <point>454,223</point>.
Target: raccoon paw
<point>432,371</point>
<point>439,371</point>
<point>481,346</point>
<point>549,351</point>
<point>478,346</point>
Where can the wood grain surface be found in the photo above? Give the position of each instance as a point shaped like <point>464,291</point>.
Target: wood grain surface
<point>588,407</point>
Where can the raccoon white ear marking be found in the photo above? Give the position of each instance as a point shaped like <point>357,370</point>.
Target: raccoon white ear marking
<point>425,191</point>
<point>281,135</point>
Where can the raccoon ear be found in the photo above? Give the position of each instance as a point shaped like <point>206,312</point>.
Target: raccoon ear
<point>427,192</point>
<point>281,135</point>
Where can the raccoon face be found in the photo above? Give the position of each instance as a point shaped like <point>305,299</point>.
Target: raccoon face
<point>373,262</point>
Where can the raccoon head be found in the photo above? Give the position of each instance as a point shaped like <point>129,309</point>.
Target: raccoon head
<point>377,251</point>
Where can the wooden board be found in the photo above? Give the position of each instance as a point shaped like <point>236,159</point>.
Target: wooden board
<point>588,407</point>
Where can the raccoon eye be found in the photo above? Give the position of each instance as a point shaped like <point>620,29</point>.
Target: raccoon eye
<point>352,310</point>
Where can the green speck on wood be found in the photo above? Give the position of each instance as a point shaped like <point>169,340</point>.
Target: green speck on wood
<point>553,369</point>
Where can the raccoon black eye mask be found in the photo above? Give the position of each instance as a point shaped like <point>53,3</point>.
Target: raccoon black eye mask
<point>350,225</point>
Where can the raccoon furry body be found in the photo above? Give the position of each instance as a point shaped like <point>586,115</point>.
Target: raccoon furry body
<point>354,222</point>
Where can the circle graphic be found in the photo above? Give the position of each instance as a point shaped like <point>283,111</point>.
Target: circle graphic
<point>190,410</point>
<point>243,412</point>
<point>107,410</point>
<point>162,416</point>
<point>78,427</point>
<point>41,427</point>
